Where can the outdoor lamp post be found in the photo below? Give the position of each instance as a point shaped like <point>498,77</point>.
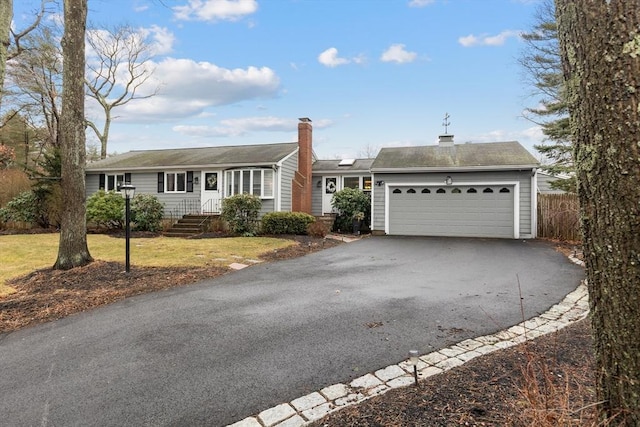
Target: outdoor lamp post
<point>413,361</point>
<point>127,191</point>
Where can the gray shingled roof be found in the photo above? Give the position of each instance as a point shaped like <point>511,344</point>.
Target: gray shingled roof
<point>360,165</point>
<point>228,156</point>
<point>500,155</point>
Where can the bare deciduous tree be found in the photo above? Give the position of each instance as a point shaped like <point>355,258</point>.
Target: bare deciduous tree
<point>120,68</point>
<point>8,37</point>
<point>600,46</point>
<point>36,84</point>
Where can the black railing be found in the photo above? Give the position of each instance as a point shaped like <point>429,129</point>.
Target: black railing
<point>184,207</point>
<point>211,206</point>
<point>193,207</point>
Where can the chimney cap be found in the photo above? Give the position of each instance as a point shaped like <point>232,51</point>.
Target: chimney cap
<point>305,119</point>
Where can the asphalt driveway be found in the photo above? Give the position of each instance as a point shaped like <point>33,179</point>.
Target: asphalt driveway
<point>219,351</point>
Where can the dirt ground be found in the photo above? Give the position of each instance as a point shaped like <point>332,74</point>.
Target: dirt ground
<point>545,382</point>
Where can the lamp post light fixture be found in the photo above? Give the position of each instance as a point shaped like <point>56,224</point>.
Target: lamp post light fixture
<point>413,361</point>
<point>127,191</point>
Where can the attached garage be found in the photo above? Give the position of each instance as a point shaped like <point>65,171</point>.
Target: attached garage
<point>458,190</point>
<point>482,210</point>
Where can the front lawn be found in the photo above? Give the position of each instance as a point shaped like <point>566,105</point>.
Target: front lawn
<point>23,253</point>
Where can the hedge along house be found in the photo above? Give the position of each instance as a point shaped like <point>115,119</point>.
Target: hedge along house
<point>465,190</point>
<point>196,180</point>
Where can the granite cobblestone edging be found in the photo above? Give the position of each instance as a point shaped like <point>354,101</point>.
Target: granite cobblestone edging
<point>306,409</point>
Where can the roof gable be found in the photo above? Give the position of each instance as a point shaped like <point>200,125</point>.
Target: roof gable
<point>224,156</point>
<point>477,155</point>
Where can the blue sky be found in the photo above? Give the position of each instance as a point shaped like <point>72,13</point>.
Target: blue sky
<point>369,73</point>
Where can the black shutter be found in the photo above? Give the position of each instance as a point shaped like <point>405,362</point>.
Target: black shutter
<point>160,182</point>
<point>189,181</point>
<point>127,178</point>
<point>101,184</point>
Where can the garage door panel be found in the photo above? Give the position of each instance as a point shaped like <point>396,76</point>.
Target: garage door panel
<point>476,214</point>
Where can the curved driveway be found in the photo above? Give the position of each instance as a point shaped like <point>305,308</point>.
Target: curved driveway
<point>219,351</point>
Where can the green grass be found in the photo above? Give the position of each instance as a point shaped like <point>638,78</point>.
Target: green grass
<point>23,253</point>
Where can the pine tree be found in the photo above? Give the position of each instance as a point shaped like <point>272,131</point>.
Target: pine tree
<point>543,69</point>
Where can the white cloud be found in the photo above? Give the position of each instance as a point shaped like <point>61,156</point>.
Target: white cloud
<point>147,42</point>
<point>161,39</point>
<point>204,131</point>
<point>188,87</point>
<point>331,59</point>
<point>215,10</point>
<point>397,53</point>
<point>486,40</point>
<point>140,5</point>
<point>245,125</point>
<point>420,3</point>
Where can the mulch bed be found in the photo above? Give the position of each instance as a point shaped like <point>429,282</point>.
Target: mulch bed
<point>48,294</point>
<point>548,381</point>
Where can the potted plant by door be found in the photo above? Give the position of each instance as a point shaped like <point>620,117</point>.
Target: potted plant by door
<point>358,217</point>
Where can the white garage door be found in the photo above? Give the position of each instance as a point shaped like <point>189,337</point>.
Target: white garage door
<point>463,211</point>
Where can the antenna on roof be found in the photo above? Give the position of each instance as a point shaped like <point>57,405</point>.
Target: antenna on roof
<point>446,123</point>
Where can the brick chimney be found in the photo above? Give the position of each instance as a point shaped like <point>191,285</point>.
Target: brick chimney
<point>301,194</point>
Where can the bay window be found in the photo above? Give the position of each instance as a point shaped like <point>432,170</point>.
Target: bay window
<point>258,182</point>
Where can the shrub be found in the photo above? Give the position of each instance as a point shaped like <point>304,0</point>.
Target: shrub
<point>351,204</point>
<point>286,222</point>
<point>24,208</point>
<point>147,212</point>
<point>241,213</point>
<point>318,229</point>
<point>106,209</point>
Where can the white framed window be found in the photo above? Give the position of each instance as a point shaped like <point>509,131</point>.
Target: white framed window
<point>359,182</point>
<point>175,182</point>
<point>258,182</point>
<point>113,182</point>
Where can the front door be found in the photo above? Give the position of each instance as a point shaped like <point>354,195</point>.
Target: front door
<point>329,188</point>
<point>211,187</point>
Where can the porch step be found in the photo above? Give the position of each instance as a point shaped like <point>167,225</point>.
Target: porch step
<point>190,225</point>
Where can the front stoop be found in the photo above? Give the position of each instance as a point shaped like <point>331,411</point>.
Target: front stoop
<point>190,225</point>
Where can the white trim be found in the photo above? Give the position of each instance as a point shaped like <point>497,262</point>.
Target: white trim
<point>534,203</point>
<point>277,187</point>
<point>372,197</point>
<point>175,181</point>
<point>516,197</point>
<point>450,169</point>
<point>285,158</point>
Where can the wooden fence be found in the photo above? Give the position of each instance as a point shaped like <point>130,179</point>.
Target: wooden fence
<point>559,217</point>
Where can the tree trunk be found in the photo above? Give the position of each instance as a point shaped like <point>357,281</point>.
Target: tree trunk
<point>6,13</point>
<point>600,43</point>
<point>73,250</point>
